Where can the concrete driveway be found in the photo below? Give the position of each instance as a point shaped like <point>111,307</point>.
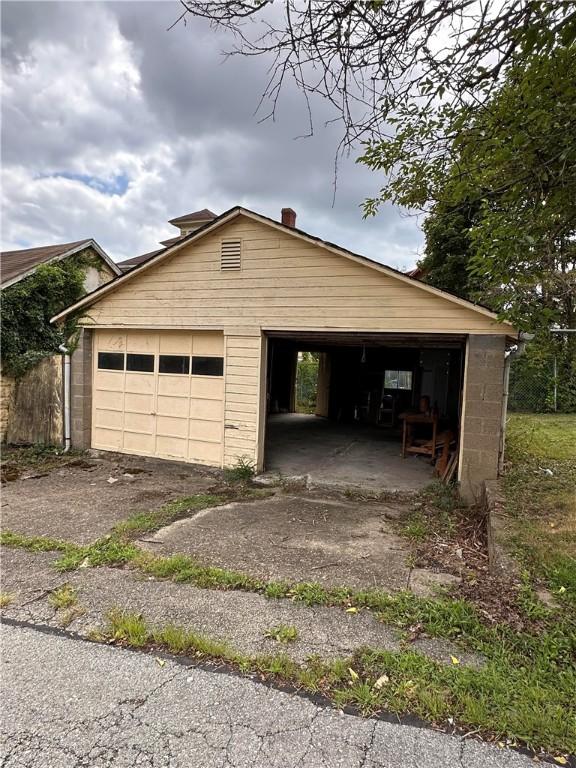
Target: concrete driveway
<point>82,501</point>
<point>332,541</point>
<point>302,538</point>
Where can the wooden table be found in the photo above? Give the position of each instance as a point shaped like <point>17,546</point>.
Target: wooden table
<point>425,447</point>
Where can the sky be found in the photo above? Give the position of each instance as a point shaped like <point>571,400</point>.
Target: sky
<point>112,124</point>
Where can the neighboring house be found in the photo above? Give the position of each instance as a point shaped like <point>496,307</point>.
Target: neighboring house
<point>16,266</point>
<point>185,224</point>
<point>187,353</point>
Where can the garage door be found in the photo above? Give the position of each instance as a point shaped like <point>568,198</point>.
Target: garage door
<point>159,394</point>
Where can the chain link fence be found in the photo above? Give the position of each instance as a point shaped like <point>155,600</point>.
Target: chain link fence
<point>542,381</point>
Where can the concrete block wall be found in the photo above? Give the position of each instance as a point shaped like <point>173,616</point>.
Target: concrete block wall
<point>81,391</point>
<point>482,413</point>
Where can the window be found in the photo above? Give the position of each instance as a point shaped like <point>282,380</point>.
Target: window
<point>398,379</point>
<point>230,254</point>
<point>143,363</point>
<point>207,366</point>
<point>174,364</point>
<point>111,361</point>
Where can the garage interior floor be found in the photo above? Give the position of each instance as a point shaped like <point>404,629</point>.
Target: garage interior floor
<point>330,453</point>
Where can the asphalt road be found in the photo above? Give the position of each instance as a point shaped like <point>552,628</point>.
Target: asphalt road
<point>68,703</point>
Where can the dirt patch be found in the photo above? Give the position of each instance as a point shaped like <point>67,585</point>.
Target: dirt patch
<point>82,500</point>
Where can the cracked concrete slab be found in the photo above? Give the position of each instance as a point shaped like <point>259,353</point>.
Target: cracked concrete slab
<point>297,538</point>
<point>238,618</point>
<point>69,703</point>
<point>77,503</point>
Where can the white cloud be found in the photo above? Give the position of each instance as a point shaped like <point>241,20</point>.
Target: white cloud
<point>99,92</point>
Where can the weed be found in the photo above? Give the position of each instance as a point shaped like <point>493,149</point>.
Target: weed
<point>33,543</point>
<point>242,471</point>
<point>276,589</point>
<point>6,599</point>
<point>311,594</point>
<point>128,627</point>
<point>70,614</point>
<point>63,597</point>
<point>416,528</point>
<point>283,633</point>
<point>148,522</point>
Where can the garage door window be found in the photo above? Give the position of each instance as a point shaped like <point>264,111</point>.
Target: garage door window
<point>207,366</point>
<point>111,361</point>
<point>140,363</point>
<point>174,364</point>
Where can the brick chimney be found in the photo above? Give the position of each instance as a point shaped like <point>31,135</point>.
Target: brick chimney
<point>288,217</point>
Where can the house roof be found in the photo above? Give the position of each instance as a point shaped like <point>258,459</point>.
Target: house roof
<point>16,265</point>
<point>203,215</point>
<point>231,214</point>
<point>128,264</point>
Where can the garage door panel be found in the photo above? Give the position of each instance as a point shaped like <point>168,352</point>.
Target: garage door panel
<point>111,341</point>
<point>210,410</point>
<point>138,403</point>
<point>109,380</point>
<point>139,422</point>
<point>143,383</point>
<point>173,385</point>
<point>171,447</point>
<point>176,343</point>
<point>209,387</point>
<point>205,453</point>
<point>208,344</point>
<point>169,426</point>
<point>205,430</point>
<point>107,439</point>
<point>111,401</point>
<point>143,343</point>
<point>172,406</point>
<point>108,418</point>
<point>136,442</point>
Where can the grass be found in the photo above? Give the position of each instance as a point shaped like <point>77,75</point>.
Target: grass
<point>6,599</point>
<point>149,522</point>
<point>542,506</point>
<point>283,633</point>
<point>63,597</point>
<point>504,699</point>
<point>433,513</point>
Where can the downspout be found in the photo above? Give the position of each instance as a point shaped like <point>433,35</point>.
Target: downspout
<point>67,413</point>
<point>513,352</point>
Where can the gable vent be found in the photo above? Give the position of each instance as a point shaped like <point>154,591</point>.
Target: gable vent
<point>230,254</point>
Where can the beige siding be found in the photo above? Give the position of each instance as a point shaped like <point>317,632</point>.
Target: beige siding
<point>284,282</point>
<point>241,410</point>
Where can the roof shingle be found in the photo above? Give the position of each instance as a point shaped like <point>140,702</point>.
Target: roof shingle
<point>16,263</point>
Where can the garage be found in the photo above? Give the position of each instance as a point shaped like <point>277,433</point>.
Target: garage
<point>191,355</point>
<point>159,394</point>
<point>376,410</point>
